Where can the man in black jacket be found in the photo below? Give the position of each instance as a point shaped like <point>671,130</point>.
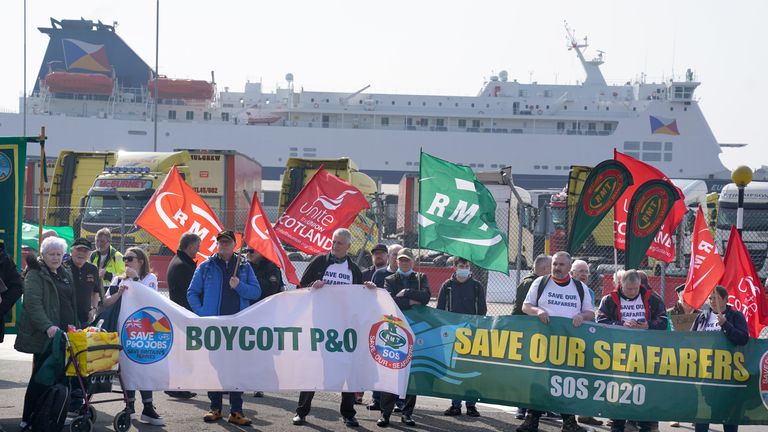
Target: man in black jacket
<point>11,286</point>
<point>379,257</point>
<point>268,273</point>
<point>180,272</point>
<point>463,294</point>
<point>408,288</point>
<point>86,278</point>
<point>334,268</point>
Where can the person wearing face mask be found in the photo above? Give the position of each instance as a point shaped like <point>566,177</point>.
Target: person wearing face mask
<point>466,295</point>
<point>408,288</point>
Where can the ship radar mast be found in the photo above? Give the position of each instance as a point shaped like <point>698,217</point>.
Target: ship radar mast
<point>591,67</point>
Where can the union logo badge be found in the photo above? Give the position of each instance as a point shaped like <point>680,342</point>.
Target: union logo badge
<point>147,336</point>
<point>391,343</point>
<point>604,192</point>
<point>648,209</point>
<point>763,383</point>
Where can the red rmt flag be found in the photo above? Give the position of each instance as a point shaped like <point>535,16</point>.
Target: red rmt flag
<point>176,208</point>
<point>260,236</point>
<point>662,247</point>
<point>745,292</point>
<point>325,204</point>
<point>706,266</point>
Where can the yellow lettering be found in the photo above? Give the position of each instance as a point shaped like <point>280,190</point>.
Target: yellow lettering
<point>652,359</point>
<point>687,363</point>
<point>576,348</point>
<point>619,356</point>
<point>635,359</point>
<point>557,348</point>
<point>668,362</point>
<point>740,374</point>
<point>463,344</point>
<point>480,344</point>
<point>515,345</point>
<point>499,342</point>
<point>705,361</point>
<point>722,365</point>
<point>538,351</point>
<point>602,360</point>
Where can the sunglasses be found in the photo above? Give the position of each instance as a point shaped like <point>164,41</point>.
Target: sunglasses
<point>129,258</point>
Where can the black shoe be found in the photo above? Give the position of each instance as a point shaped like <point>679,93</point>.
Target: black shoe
<point>299,420</point>
<point>383,422</point>
<point>374,406</point>
<point>472,412</point>
<point>258,394</point>
<point>530,424</point>
<point>520,413</point>
<point>149,415</point>
<point>453,411</point>
<point>351,422</point>
<point>131,409</point>
<point>398,407</point>
<point>181,394</point>
<point>570,425</point>
<point>407,420</point>
<point>550,414</point>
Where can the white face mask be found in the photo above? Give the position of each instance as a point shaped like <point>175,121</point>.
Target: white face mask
<point>462,273</point>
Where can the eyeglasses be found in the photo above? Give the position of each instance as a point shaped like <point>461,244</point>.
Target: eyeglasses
<point>128,258</point>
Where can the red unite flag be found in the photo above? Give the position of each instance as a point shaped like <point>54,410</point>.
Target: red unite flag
<point>175,209</point>
<point>706,267</point>
<point>325,204</point>
<point>260,236</point>
<point>745,292</point>
<point>662,247</point>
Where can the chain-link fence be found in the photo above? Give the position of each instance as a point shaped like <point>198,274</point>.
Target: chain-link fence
<point>533,228</point>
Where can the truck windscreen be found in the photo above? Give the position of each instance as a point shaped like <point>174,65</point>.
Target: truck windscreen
<point>106,207</point>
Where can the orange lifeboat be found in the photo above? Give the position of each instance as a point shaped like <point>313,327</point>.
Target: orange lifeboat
<point>181,89</point>
<point>71,82</point>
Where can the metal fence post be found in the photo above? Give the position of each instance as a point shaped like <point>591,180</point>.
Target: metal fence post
<point>122,220</point>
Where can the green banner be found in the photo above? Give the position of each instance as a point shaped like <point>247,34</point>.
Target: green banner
<point>29,234</point>
<point>604,185</point>
<point>597,370</point>
<point>457,215</point>
<point>648,208</point>
<point>13,154</point>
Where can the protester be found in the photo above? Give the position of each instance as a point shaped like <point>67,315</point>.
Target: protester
<point>11,286</point>
<point>179,275</point>
<point>720,316</point>
<point>379,255</point>
<point>538,303</point>
<point>636,307</point>
<point>408,288</point>
<point>268,274</point>
<point>465,295</point>
<point>541,267</point>
<point>334,268</point>
<point>679,309</point>
<point>378,279</point>
<point>224,284</point>
<point>87,282</point>
<point>108,260</point>
<point>49,306</point>
<point>136,269</point>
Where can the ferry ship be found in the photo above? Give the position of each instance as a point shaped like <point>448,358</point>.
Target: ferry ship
<point>93,92</point>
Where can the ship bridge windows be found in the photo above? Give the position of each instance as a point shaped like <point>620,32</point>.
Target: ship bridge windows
<point>190,115</point>
<point>172,115</point>
<point>683,92</point>
<point>522,93</point>
<point>475,123</point>
<point>649,151</point>
<point>462,123</point>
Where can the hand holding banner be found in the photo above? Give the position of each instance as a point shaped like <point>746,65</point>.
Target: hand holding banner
<point>260,236</point>
<point>325,204</point>
<point>706,267</point>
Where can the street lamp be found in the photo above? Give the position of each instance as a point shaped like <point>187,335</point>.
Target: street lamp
<point>742,176</point>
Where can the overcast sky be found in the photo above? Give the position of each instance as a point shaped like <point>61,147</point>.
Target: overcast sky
<point>432,47</point>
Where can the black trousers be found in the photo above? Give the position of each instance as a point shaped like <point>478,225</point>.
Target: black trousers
<point>34,391</point>
<point>536,413</point>
<point>643,426</point>
<point>347,407</point>
<point>388,404</point>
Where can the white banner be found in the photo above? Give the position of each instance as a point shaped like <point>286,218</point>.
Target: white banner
<point>335,338</point>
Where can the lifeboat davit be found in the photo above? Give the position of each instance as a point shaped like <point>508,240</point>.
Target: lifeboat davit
<point>169,88</point>
<point>72,82</point>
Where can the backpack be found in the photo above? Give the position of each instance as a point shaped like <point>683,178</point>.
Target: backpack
<point>545,281</point>
<point>51,409</point>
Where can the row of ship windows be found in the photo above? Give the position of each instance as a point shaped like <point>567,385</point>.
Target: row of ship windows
<point>649,151</point>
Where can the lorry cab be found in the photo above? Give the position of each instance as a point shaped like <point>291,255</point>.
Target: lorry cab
<point>755,229</point>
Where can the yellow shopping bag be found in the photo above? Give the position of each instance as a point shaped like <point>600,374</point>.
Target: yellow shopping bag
<point>96,359</point>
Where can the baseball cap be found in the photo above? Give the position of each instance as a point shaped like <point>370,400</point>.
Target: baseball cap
<point>226,234</point>
<point>379,247</point>
<point>405,253</point>
<point>82,242</point>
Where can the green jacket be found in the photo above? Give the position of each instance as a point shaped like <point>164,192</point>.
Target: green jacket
<point>113,265</point>
<point>41,307</point>
<point>522,291</point>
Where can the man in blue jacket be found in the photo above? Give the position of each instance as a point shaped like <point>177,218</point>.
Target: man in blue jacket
<point>224,284</point>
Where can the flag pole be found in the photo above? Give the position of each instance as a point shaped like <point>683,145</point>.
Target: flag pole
<point>418,225</point>
<point>41,189</point>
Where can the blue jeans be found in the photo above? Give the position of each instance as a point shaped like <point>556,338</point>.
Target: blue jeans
<point>146,395</point>
<point>235,401</point>
<point>457,403</point>
<point>704,427</point>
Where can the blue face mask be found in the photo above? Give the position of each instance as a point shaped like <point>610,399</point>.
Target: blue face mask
<point>462,273</point>
<point>404,274</point>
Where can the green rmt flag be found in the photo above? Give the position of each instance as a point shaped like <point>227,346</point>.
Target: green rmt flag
<point>457,215</point>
